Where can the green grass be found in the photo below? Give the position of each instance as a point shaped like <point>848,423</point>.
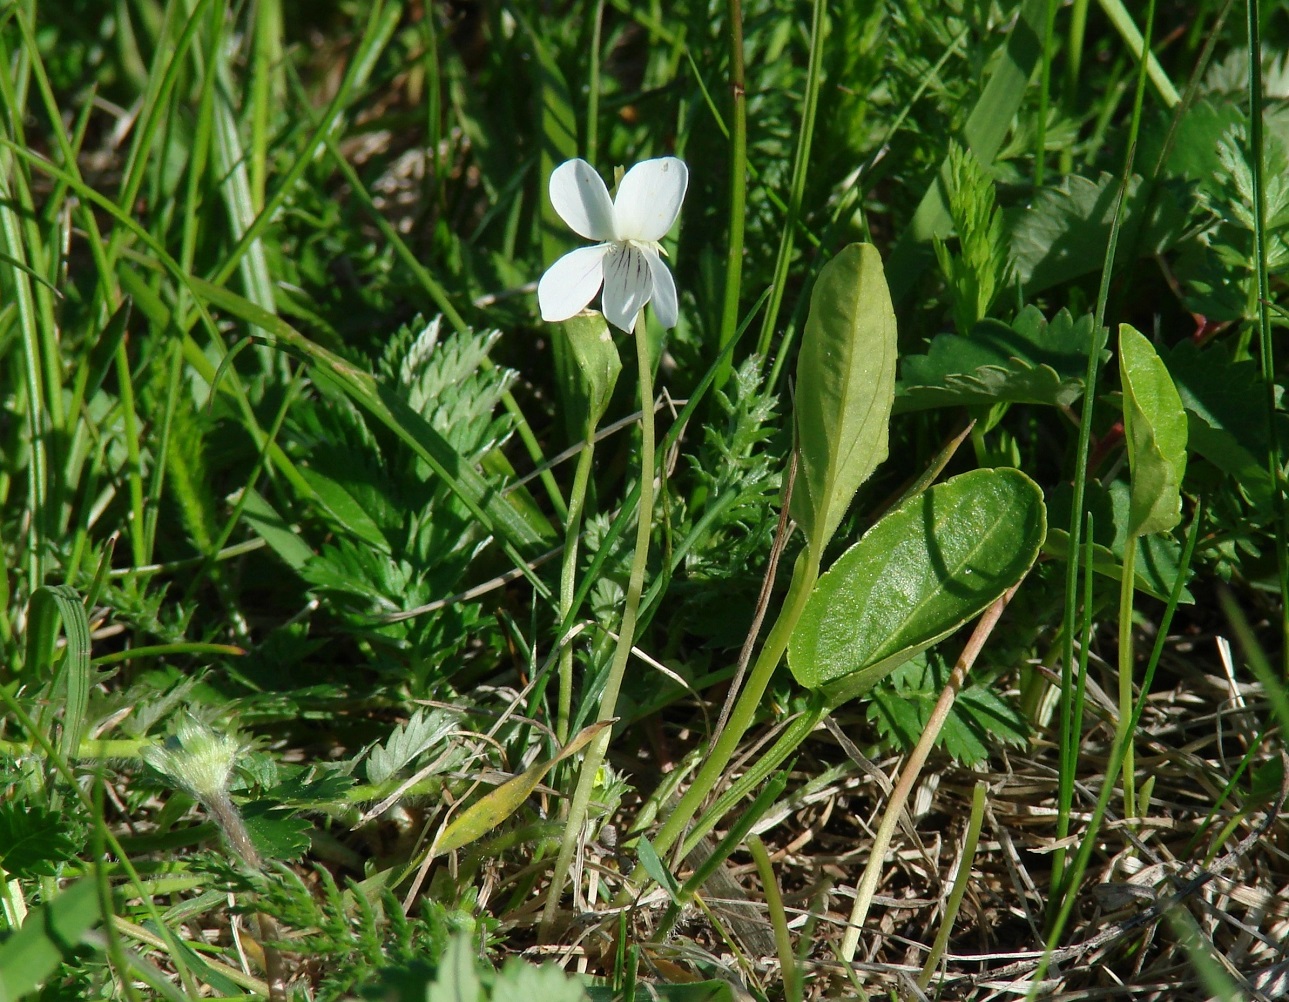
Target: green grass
<point>321,549</point>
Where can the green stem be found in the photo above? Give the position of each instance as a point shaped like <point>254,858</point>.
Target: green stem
<point>1044,95</point>
<point>1125,675</point>
<point>626,636</point>
<point>1265,345</point>
<point>797,191</point>
<point>1073,65</point>
<point>804,576</point>
<point>960,881</point>
<point>738,188</point>
<point>568,580</point>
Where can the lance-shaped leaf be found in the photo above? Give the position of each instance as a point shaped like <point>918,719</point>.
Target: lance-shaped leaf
<point>915,577</point>
<point>493,808</point>
<point>1154,425</point>
<point>845,386</point>
<point>596,357</point>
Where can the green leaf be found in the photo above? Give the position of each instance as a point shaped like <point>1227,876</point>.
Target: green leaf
<point>522,979</point>
<point>493,808</point>
<point>1155,431</point>
<point>979,270</point>
<point>51,933</point>
<point>845,386</point>
<point>344,508</point>
<point>70,683</point>
<point>1062,232</point>
<point>916,576</point>
<point>34,840</point>
<point>274,530</point>
<point>1158,557</point>
<point>990,120</point>
<point>1031,361</point>
<point>277,831</point>
<point>486,504</point>
<point>596,356</point>
<point>1226,423</point>
<point>901,706</point>
<point>657,869</point>
<point>423,731</point>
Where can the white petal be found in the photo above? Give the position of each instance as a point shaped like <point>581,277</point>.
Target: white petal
<point>571,282</point>
<point>649,198</point>
<point>582,201</point>
<point>665,307</point>
<point>628,284</point>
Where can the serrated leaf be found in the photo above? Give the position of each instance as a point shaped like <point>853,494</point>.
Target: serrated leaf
<point>1062,232</point>
<point>277,831</point>
<point>902,705</point>
<point>1155,432</point>
<point>423,731</point>
<point>311,787</point>
<point>916,576</point>
<point>845,386</point>
<point>34,840</point>
<point>523,980</point>
<point>1029,361</point>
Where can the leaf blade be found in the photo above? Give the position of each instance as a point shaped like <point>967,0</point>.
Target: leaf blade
<point>845,389</point>
<point>915,577</point>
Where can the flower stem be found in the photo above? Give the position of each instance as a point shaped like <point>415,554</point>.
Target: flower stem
<point>568,580</point>
<point>626,637</point>
<point>738,188</point>
<point>804,575</point>
<point>1126,664</point>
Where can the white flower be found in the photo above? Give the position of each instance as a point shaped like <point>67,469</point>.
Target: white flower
<point>626,260</point>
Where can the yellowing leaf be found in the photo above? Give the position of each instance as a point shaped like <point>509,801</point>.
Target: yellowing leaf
<point>492,809</point>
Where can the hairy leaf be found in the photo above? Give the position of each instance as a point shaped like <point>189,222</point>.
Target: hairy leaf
<point>423,731</point>
<point>34,840</point>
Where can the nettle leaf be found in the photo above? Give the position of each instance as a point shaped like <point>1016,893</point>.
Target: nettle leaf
<point>1155,432</point>
<point>1031,361</point>
<point>902,704</point>
<point>277,831</point>
<point>916,576</point>
<point>35,841</point>
<point>845,386</point>
<point>1062,232</point>
<point>423,731</point>
<point>311,786</point>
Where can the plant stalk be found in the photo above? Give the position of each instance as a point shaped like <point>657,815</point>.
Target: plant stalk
<point>626,637</point>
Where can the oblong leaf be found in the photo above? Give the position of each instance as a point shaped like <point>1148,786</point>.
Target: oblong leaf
<point>1154,426</point>
<point>493,808</point>
<point>845,387</point>
<point>915,577</point>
